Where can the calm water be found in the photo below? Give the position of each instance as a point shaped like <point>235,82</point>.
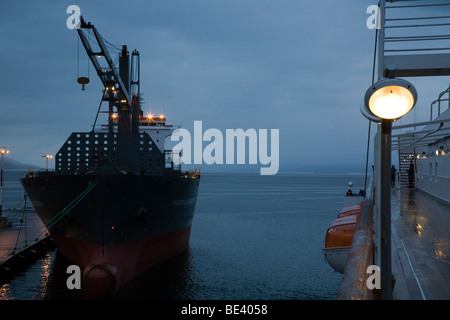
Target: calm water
<point>253,237</point>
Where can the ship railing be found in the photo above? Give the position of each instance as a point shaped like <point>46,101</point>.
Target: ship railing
<point>194,174</point>
<point>443,96</point>
<point>361,255</point>
<point>414,37</point>
<point>412,29</point>
<point>431,131</point>
<point>172,160</point>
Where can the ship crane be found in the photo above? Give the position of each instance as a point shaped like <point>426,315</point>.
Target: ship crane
<point>115,80</point>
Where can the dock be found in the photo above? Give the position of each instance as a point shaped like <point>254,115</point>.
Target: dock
<point>23,240</point>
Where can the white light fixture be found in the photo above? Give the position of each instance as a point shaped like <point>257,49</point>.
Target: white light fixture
<point>384,102</point>
<point>389,99</point>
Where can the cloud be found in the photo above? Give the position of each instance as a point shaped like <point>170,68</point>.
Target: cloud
<point>298,66</point>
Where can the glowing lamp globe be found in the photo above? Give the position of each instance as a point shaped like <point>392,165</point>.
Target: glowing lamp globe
<point>389,99</point>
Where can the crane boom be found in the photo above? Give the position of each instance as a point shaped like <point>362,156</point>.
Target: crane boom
<point>105,76</point>
<point>116,87</point>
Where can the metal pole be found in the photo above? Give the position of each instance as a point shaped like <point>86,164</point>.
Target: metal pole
<point>381,35</point>
<point>1,179</point>
<point>385,206</point>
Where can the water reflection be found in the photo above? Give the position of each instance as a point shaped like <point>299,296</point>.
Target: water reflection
<point>35,278</point>
<point>412,212</point>
<point>171,279</point>
<point>45,274</point>
<point>441,249</point>
<point>5,292</point>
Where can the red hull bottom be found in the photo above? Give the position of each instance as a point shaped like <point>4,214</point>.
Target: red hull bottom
<point>105,269</point>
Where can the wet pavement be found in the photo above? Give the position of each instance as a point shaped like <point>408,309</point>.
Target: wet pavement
<point>420,246</point>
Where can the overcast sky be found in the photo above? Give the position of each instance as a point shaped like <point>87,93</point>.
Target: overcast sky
<point>298,66</point>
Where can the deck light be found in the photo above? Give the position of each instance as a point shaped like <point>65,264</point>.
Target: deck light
<point>389,99</point>
<point>384,102</point>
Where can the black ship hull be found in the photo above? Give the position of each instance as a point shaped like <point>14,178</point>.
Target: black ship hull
<point>115,226</point>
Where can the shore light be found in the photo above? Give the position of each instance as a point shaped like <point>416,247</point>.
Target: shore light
<point>3,151</point>
<point>47,156</point>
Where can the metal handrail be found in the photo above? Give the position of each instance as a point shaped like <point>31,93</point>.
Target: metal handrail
<point>418,5</point>
<point>438,101</point>
<point>428,134</point>
<point>439,22</point>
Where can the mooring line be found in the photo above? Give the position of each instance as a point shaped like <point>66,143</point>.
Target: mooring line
<point>63,212</point>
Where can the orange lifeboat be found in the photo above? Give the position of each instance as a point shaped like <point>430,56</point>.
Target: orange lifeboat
<point>339,236</point>
<point>341,231</point>
<point>350,210</point>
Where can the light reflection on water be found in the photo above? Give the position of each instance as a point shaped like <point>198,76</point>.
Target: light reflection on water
<point>31,284</point>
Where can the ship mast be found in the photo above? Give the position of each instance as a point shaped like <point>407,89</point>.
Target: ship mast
<point>135,80</point>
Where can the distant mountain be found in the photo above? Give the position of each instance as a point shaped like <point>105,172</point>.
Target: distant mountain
<point>13,164</point>
<point>331,168</point>
<point>283,168</point>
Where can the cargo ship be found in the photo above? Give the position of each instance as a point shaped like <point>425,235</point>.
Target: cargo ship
<point>117,202</point>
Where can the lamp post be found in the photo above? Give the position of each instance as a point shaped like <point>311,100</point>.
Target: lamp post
<point>47,156</point>
<point>384,102</point>
<point>3,151</point>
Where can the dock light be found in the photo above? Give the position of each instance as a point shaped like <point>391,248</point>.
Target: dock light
<point>3,151</point>
<point>389,99</point>
<point>47,156</point>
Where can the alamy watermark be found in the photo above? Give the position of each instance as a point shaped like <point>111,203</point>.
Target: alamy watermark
<point>373,22</point>
<point>74,280</point>
<point>374,280</point>
<point>73,21</point>
<point>222,150</point>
